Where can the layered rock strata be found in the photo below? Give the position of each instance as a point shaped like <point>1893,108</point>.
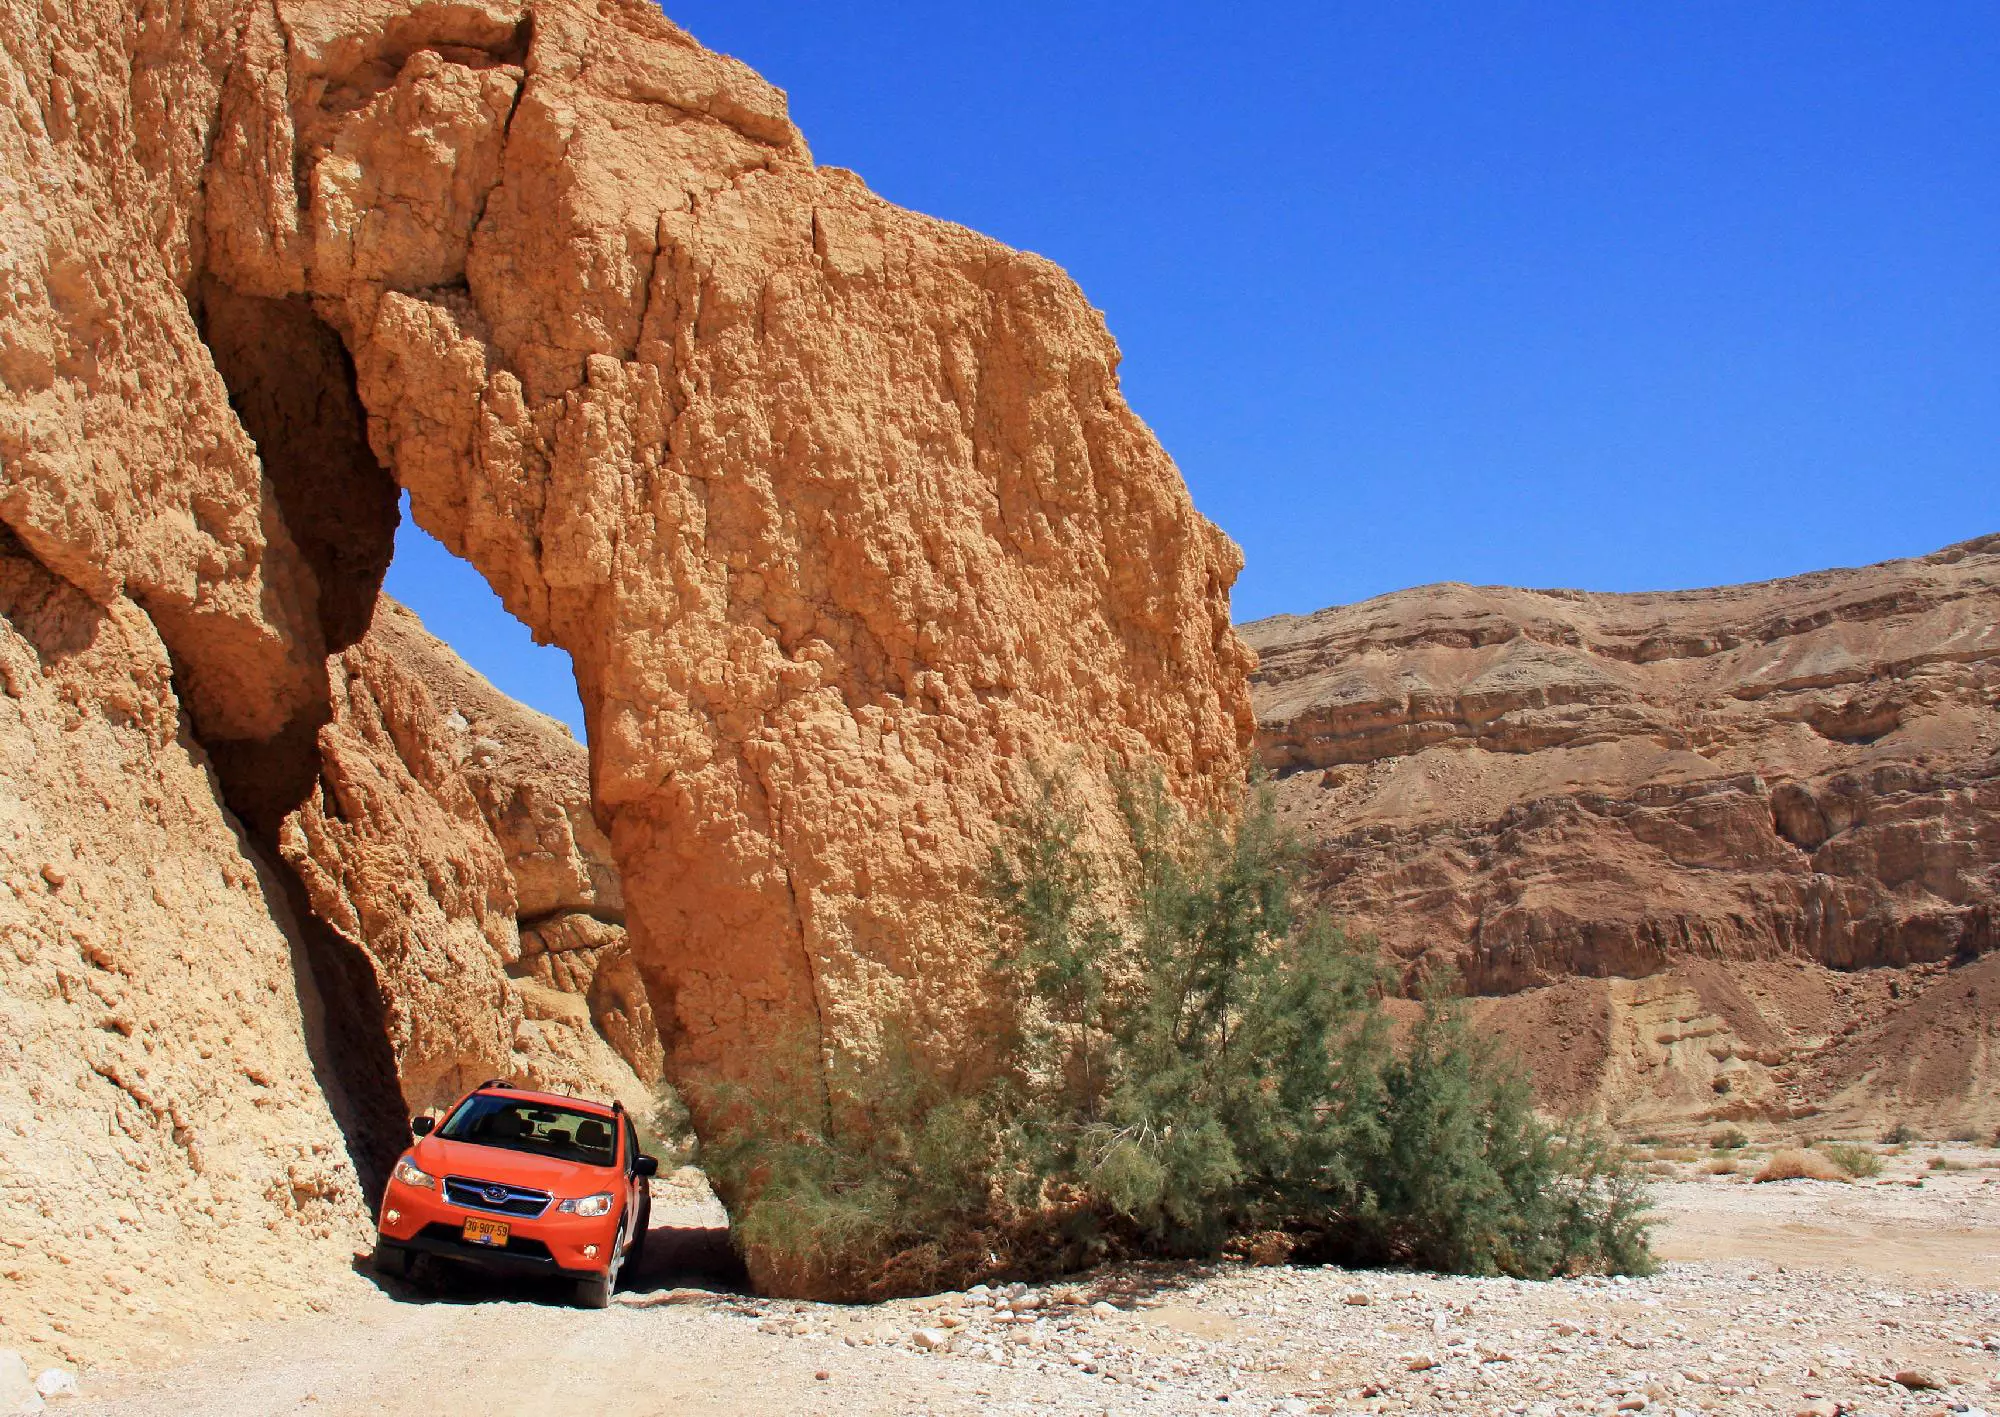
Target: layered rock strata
<point>1545,789</point>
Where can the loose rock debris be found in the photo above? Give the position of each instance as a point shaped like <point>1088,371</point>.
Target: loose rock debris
<point>1748,1335</point>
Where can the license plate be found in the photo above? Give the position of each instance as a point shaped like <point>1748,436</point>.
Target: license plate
<point>485,1232</point>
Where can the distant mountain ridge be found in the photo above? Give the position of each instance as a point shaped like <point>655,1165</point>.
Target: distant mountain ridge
<point>1707,853</point>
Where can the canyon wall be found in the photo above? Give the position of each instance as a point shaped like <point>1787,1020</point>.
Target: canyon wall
<point>836,508</point>
<point>169,1133</point>
<point>1695,848</point>
<point>449,842</point>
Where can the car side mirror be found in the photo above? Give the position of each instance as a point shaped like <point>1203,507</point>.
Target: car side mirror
<point>646,1166</point>
<point>421,1126</point>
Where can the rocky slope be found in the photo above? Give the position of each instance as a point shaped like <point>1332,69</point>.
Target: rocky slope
<point>449,841</point>
<point>836,508</point>
<point>168,1129</point>
<point>1721,853</point>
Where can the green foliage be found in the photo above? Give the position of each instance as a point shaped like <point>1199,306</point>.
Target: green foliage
<point>1185,1057</point>
<point>1857,1161</point>
<point>663,1128</point>
<point>1464,1176</point>
<point>863,1177</point>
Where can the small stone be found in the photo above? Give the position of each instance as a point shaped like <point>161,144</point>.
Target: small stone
<point>1419,1362</point>
<point>1637,1402</point>
<point>821,1376</point>
<point>1104,1310</point>
<point>1357,1298</point>
<point>1917,1381</point>
<point>931,1339</point>
<point>1023,1303</point>
<point>1825,1407</point>
<point>56,1382</point>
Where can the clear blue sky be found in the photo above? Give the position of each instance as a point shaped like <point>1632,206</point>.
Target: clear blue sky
<point>1615,296</point>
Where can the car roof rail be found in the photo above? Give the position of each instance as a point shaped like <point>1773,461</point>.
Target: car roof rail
<point>616,1105</point>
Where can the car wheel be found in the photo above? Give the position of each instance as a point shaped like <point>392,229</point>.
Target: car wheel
<point>595,1292</point>
<point>394,1261</point>
<point>638,1245</point>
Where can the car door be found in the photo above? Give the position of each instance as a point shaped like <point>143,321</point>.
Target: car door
<point>635,1184</point>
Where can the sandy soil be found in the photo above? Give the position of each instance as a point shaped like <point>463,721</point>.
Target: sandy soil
<point>1780,1298</point>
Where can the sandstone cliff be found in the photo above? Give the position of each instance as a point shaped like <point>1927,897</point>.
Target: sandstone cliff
<point>836,508</point>
<point>449,841</point>
<point>1661,822</point>
<point>168,1130</point>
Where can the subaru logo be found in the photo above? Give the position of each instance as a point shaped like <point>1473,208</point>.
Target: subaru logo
<point>494,1194</point>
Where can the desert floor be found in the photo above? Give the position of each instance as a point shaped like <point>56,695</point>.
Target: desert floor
<point>1877,1296</point>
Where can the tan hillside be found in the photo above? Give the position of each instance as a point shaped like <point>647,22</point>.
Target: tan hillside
<point>1716,853</point>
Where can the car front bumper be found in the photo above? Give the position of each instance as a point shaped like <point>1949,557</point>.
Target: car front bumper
<point>549,1244</point>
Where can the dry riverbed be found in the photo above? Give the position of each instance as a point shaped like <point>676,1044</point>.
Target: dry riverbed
<point>1794,1297</point>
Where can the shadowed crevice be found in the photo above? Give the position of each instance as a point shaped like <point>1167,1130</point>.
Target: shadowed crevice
<point>292,386</point>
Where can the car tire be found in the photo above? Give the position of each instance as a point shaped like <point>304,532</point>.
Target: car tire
<point>395,1261</point>
<point>638,1246</point>
<point>595,1292</point>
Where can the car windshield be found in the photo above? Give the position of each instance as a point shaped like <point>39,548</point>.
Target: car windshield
<point>520,1125</point>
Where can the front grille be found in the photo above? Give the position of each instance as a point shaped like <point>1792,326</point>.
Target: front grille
<point>495,1196</point>
<point>516,1244</point>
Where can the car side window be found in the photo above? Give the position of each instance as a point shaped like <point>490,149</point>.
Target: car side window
<point>631,1148</point>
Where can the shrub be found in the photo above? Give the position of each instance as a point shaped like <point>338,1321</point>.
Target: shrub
<point>1186,1059</point>
<point>1902,1134</point>
<point>663,1128</point>
<point>870,1180</point>
<point>1721,1166</point>
<point>1793,1164</point>
<point>1458,1173</point>
<point>1729,1139</point>
<point>1857,1161</point>
<point>1943,1163</point>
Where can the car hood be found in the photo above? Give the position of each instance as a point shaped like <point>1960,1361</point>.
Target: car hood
<point>515,1168</point>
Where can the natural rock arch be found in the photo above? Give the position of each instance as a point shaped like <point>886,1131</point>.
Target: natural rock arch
<point>837,508</point>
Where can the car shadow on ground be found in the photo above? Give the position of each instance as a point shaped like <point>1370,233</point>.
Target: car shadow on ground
<point>675,1257</point>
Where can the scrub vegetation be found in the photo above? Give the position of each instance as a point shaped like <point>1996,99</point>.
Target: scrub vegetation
<point>1187,1061</point>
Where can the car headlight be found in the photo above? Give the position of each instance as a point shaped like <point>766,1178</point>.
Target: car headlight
<point>411,1176</point>
<point>599,1204</point>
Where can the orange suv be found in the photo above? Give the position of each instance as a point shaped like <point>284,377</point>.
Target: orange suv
<point>524,1183</point>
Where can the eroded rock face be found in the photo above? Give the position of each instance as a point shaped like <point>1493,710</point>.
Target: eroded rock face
<point>168,1144</point>
<point>836,508</point>
<point>1534,787</point>
<point>449,841</point>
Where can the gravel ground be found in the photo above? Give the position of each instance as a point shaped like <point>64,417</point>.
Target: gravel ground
<point>1794,1297</point>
